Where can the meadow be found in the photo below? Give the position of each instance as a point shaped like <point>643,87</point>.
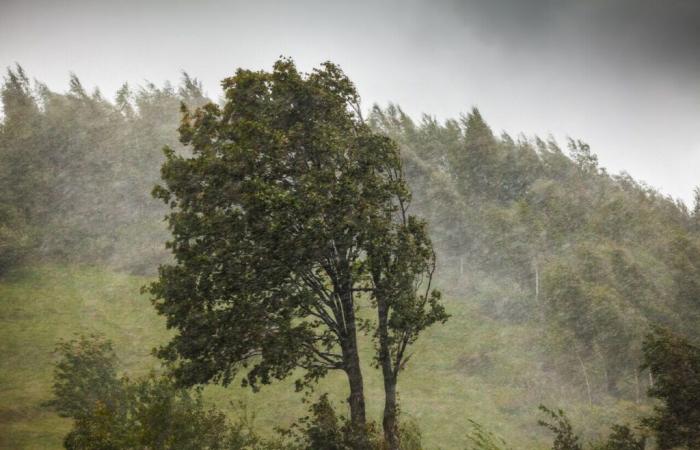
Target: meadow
<point>472,368</point>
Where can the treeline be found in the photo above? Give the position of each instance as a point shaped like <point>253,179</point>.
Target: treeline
<point>76,171</point>
<point>542,236</point>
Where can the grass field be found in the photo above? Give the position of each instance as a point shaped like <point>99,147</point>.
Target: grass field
<point>471,368</point>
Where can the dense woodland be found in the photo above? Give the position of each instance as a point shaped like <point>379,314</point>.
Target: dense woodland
<point>526,232</point>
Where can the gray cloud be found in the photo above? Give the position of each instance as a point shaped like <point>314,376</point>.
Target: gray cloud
<point>622,74</point>
<point>664,32</point>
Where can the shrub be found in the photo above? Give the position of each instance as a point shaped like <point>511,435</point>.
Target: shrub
<point>564,437</point>
<point>480,438</point>
<point>622,438</point>
<point>117,413</point>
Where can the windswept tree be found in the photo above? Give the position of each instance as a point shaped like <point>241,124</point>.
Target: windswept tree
<point>695,213</point>
<point>284,217</point>
<point>401,263</point>
<point>675,365</point>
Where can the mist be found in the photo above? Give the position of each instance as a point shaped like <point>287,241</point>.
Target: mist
<point>511,211</point>
<point>621,75</point>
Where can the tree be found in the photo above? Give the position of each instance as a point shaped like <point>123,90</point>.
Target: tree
<point>474,165</point>
<point>695,213</point>
<point>280,219</point>
<point>401,262</point>
<point>675,365</point>
<point>21,169</point>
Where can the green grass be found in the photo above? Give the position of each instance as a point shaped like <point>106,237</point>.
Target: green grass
<point>471,368</point>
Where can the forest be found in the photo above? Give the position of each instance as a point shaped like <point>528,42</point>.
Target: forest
<point>293,271</point>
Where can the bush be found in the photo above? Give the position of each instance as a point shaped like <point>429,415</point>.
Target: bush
<point>564,437</point>
<point>622,438</point>
<point>85,377</point>
<point>480,438</point>
<point>410,435</point>
<point>324,429</point>
<point>117,413</point>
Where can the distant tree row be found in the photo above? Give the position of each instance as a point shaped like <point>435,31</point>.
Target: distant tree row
<point>76,171</point>
<point>593,258</point>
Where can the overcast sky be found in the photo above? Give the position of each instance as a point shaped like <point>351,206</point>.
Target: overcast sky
<point>623,75</point>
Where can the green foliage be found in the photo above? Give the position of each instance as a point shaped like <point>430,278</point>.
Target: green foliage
<point>695,213</point>
<point>19,173</point>
<point>271,209</point>
<point>675,365</point>
<point>288,207</point>
<point>590,258</point>
<point>410,435</point>
<point>564,436</point>
<point>111,413</point>
<point>76,170</point>
<point>622,438</point>
<point>480,438</point>
<point>85,377</point>
<point>324,429</point>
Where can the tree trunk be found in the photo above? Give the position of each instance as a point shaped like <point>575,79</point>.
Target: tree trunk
<point>390,419</point>
<point>390,374</point>
<point>356,400</point>
<point>351,359</point>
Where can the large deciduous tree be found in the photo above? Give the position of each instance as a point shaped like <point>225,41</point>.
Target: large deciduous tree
<point>288,210</point>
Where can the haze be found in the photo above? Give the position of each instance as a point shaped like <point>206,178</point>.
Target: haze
<point>621,75</point>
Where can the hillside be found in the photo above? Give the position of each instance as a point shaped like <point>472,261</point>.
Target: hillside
<point>487,371</point>
<point>552,268</point>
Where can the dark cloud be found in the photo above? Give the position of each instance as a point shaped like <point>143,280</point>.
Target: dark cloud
<point>642,32</point>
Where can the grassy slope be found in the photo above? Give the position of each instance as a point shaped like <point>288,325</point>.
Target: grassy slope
<point>470,368</point>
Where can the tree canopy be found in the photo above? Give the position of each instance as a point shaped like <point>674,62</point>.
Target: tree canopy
<point>288,211</point>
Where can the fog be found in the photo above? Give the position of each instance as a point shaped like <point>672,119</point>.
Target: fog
<point>554,267</point>
<point>621,75</point>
